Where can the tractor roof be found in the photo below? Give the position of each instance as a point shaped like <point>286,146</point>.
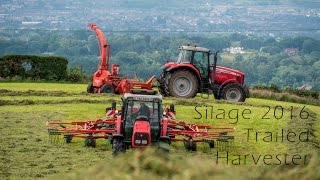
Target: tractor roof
<point>142,95</point>
<point>194,48</point>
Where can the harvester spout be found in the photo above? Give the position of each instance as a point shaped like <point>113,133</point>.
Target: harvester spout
<point>103,46</point>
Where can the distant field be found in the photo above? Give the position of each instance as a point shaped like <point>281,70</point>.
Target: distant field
<point>75,88</point>
<point>26,153</point>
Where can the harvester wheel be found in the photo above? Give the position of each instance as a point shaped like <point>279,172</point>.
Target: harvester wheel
<point>183,84</point>
<point>117,146</point>
<point>90,88</point>
<point>233,92</point>
<point>107,89</point>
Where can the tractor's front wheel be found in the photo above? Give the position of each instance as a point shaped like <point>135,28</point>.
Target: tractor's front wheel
<point>233,92</point>
<point>183,84</point>
<point>117,146</point>
<point>216,96</point>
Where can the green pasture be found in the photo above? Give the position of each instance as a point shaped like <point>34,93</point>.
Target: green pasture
<point>26,153</point>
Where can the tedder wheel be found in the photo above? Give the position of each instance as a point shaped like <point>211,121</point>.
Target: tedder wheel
<point>183,84</point>
<point>107,89</point>
<point>117,146</point>
<point>233,92</point>
<point>190,145</point>
<point>90,88</point>
<point>211,143</point>
<point>90,141</point>
<point>68,138</point>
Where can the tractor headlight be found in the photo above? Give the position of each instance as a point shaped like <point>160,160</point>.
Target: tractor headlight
<point>141,139</point>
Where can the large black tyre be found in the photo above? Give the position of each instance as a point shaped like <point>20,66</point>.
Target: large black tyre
<point>233,92</point>
<point>163,89</point>
<point>216,96</point>
<point>117,146</point>
<point>182,84</point>
<point>90,88</point>
<point>107,89</point>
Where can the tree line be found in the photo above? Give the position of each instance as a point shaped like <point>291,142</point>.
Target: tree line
<point>283,61</point>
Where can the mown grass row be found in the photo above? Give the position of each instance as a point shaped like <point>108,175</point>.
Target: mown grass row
<point>5,92</point>
<point>21,86</point>
<point>26,153</point>
<point>283,96</point>
<point>71,101</point>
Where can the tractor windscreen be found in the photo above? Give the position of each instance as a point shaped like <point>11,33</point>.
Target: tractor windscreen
<point>142,110</point>
<point>184,56</point>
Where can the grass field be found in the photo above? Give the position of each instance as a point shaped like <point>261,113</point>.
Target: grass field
<point>25,152</point>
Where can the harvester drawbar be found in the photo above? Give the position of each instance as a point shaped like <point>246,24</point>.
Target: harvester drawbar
<point>141,122</point>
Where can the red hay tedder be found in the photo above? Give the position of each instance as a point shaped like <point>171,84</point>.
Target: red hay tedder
<point>141,122</point>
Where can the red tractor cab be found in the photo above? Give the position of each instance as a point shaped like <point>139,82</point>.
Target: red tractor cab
<point>195,72</point>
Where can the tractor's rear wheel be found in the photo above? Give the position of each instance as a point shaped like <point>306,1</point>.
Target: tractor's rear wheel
<point>233,92</point>
<point>90,88</point>
<point>163,89</point>
<point>183,84</point>
<point>117,146</point>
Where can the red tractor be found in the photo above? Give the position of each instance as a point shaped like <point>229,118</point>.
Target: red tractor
<point>194,72</point>
<point>105,81</point>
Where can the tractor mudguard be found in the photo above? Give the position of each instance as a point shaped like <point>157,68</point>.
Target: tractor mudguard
<point>165,139</point>
<point>227,82</point>
<point>117,136</point>
<point>188,67</point>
